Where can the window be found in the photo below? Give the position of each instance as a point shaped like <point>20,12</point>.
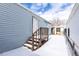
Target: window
<point>69,32</point>
<point>57,29</point>
<point>52,30</point>
<point>35,24</point>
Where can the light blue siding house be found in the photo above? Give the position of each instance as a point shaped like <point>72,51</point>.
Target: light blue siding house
<point>16,25</point>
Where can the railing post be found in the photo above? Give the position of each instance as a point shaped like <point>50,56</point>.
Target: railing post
<point>37,36</point>
<point>40,38</point>
<point>68,32</point>
<point>47,34</point>
<point>75,52</point>
<point>32,42</point>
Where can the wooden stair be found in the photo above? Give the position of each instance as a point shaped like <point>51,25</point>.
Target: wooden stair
<point>35,41</point>
<point>29,44</point>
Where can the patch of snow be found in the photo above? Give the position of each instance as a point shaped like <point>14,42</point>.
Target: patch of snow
<point>56,46</point>
<point>22,51</point>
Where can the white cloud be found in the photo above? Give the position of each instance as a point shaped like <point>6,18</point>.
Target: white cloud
<point>56,12</point>
<point>38,6</point>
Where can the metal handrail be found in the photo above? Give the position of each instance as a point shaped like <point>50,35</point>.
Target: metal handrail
<point>73,44</point>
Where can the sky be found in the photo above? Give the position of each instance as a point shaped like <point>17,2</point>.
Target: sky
<point>50,11</point>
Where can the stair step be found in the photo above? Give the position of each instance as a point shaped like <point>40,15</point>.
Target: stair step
<point>30,42</point>
<point>35,41</point>
<point>30,46</point>
<point>36,36</point>
<point>27,46</point>
<point>36,45</point>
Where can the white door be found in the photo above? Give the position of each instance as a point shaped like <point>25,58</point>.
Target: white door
<point>35,24</point>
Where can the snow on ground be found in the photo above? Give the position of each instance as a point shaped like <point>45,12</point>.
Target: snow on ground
<point>56,46</point>
<point>22,51</point>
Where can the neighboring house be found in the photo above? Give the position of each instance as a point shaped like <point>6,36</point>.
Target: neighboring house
<point>73,29</point>
<point>17,24</point>
<point>57,30</point>
<point>58,26</point>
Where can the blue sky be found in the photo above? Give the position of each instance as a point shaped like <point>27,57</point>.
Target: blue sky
<point>38,7</point>
<point>50,10</point>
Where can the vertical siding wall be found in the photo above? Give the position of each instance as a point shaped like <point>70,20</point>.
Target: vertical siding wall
<point>15,26</point>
